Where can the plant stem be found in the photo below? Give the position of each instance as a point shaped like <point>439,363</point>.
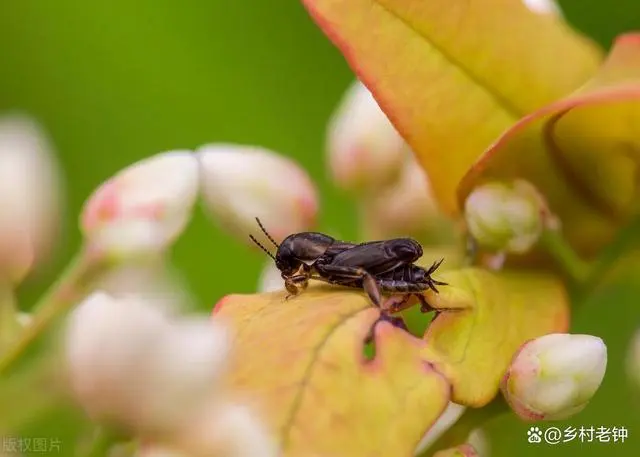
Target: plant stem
<point>61,295</point>
<point>8,315</point>
<point>471,419</point>
<point>627,240</point>
<point>557,246</point>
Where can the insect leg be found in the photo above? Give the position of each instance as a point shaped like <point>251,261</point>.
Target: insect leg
<point>432,283</point>
<point>384,317</point>
<point>425,307</point>
<point>295,284</point>
<point>369,283</point>
<point>396,303</point>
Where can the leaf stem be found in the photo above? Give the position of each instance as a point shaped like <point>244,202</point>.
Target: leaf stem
<point>558,247</point>
<point>471,419</point>
<point>61,295</point>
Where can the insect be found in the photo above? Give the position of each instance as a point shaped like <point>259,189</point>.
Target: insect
<point>377,267</point>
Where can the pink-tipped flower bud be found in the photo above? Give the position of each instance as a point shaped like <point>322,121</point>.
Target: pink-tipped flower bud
<point>241,183</point>
<point>554,377</point>
<point>365,152</point>
<point>144,208</point>
<point>30,187</point>
<point>141,367</point>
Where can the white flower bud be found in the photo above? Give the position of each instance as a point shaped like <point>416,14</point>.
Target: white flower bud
<point>405,208</point>
<point>365,152</point>
<point>555,376</point>
<point>143,208</point>
<point>152,281</point>
<point>505,217</point>
<point>633,360</point>
<point>543,6</point>
<point>30,185</point>
<point>140,367</point>
<point>229,430</point>
<point>270,278</point>
<point>241,183</point>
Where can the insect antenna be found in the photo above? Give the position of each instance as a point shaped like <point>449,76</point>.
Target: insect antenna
<point>266,233</point>
<point>262,247</point>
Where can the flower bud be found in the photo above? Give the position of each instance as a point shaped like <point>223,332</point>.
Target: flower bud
<point>144,208</point>
<point>227,429</point>
<point>30,189</point>
<point>505,217</point>
<point>555,376</point>
<point>365,152</point>
<point>241,183</point>
<point>140,367</point>
<point>405,208</point>
<point>270,278</point>
<point>153,282</point>
<point>543,6</point>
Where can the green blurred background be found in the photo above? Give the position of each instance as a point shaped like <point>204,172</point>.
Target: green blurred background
<point>114,82</point>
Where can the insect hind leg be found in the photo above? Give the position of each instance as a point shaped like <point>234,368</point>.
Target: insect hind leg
<point>409,288</point>
<point>385,317</point>
<point>369,283</point>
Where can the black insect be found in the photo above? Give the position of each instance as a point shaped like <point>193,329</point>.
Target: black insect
<point>377,267</point>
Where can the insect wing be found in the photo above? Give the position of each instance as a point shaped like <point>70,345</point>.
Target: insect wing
<point>374,257</point>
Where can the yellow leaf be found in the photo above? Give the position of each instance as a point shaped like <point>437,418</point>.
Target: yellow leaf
<point>491,314</point>
<point>582,152</point>
<point>452,75</point>
<point>300,363</point>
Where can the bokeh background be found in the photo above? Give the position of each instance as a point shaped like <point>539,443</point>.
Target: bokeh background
<point>114,82</point>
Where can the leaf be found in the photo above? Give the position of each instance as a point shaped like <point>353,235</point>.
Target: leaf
<point>491,314</point>
<point>582,152</point>
<point>452,75</point>
<point>300,363</point>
